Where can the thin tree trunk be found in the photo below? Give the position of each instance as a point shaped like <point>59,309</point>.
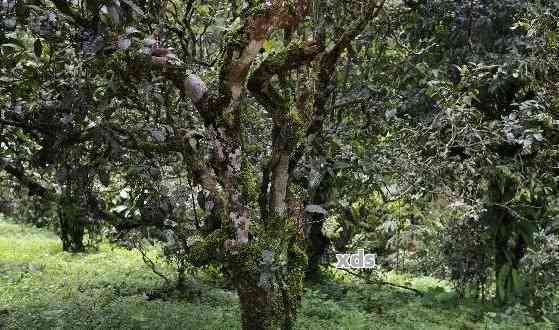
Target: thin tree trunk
<point>317,246</point>
<point>72,231</point>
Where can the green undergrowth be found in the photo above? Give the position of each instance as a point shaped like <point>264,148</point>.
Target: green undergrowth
<point>42,287</point>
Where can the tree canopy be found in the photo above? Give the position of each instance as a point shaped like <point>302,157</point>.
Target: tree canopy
<point>262,137</point>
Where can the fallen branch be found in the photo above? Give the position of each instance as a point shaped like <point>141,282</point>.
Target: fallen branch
<point>417,292</point>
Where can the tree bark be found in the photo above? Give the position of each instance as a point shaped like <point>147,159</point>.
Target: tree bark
<point>316,247</point>
<point>256,307</point>
<point>271,304</point>
<point>72,231</point>
<point>502,190</point>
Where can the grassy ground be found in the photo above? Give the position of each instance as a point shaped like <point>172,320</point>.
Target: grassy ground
<point>42,287</point>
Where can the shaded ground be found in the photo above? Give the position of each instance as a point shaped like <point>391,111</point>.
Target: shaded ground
<point>42,287</point>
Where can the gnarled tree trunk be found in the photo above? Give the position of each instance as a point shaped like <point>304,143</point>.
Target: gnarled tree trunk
<point>269,298</point>
<point>267,269</point>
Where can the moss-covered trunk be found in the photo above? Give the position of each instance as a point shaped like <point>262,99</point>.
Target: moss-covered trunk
<point>271,307</point>
<point>269,279</point>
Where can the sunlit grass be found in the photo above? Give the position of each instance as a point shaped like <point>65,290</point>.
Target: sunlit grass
<point>42,287</point>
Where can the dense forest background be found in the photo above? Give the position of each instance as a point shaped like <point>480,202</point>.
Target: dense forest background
<point>196,155</point>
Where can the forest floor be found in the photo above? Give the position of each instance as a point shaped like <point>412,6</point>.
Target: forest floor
<point>42,287</point>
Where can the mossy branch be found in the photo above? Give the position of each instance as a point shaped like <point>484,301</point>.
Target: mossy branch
<point>260,85</point>
<point>326,73</point>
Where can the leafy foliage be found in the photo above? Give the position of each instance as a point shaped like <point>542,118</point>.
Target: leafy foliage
<point>256,139</point>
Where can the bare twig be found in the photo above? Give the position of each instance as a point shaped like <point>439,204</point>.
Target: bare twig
<point>150,262</point>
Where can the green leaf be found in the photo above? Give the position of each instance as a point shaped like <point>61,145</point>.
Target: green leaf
<point>120,208</point>
<point>124,194</point>
<point>268,45</point>
<point>203,10</point>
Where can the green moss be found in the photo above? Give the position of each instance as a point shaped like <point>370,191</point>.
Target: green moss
<point>208,250</point>
<point>243,262</point>
<point>249,181</point>
<point>293,284</point>
<point>297,257</point>
<point>299,126</point>
<point>296,119</point>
